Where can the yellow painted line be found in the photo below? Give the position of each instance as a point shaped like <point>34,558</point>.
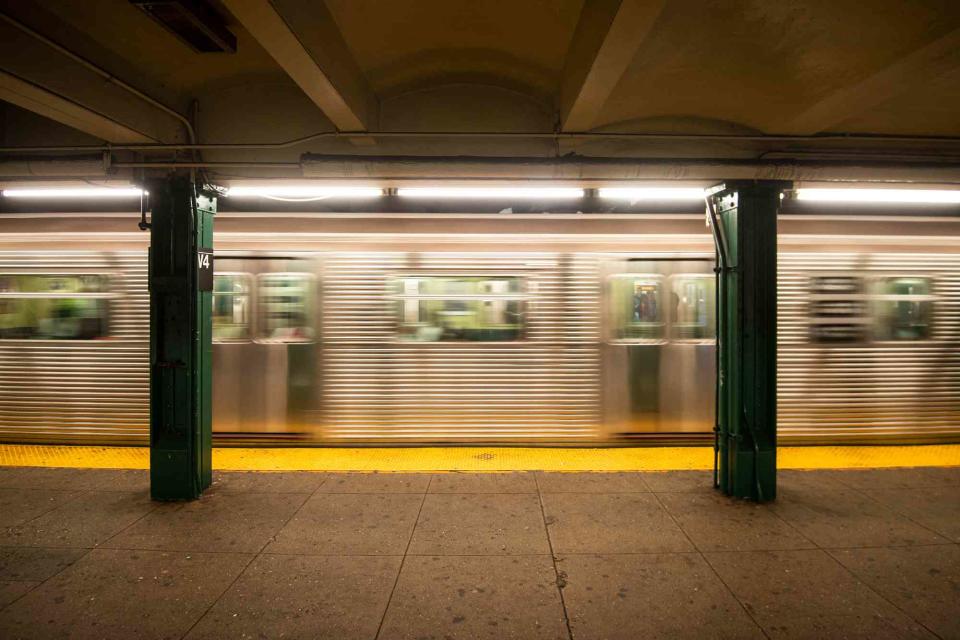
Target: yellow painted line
<point>412,459</point>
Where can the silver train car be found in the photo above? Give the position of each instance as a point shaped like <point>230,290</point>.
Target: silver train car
<point>397,328</point>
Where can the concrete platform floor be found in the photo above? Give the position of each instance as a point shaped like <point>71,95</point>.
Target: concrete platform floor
<point>841,554</point>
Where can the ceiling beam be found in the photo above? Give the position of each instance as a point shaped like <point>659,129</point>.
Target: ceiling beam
<point>305,41</point>
<point>50,105</point>
<point>915,69</point>
<point>608,36</point>
<point>37,77</point>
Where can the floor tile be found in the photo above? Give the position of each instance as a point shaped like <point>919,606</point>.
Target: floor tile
<point>611,523</point>
<point>86,521</point>
<point>240,522</point>
<point>924,581</point>
<point>360,524</point>
<point>308,597</point>
<point>592,482</point>
<point>808,594</point>
<point>671,481</point>
<point>71,479</point>
<point>11,590</point>
<point>127,480</point>
<point>11,477</point>
<point>483,483</point>
<point>376,483</point>
<point>715,522</point>
<point>123,594</point>
<point>35,563</point>
<point>476,598</point>
<point>20,505</point>
<point>650,596</point>
<point>455,524</point>
<point>267,482</point>
<point>847,518</point>
<point>937,508</point>
<point>899,478</point>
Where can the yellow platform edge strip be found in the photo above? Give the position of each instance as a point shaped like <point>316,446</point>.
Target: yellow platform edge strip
<point>440,459</point>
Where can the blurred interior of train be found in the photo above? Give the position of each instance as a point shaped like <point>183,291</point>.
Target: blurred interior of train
<point>334,327</point>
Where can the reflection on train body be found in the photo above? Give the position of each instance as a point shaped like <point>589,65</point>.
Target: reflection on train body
<point>483,345</point>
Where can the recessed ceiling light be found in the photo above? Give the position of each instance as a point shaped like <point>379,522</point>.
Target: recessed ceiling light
<point>70,192</point>
<point>493,193</point>
<point>907,196</point>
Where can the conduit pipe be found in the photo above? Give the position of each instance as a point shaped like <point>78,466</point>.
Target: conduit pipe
<point>460,135</point>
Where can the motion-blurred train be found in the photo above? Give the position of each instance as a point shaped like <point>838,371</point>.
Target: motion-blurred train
<point>397,328</point>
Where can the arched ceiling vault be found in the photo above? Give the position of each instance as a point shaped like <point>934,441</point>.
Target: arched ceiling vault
<point>805,68</point>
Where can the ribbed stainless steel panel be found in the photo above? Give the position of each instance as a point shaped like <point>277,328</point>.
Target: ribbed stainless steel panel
<point>545,386</point>
<point>81,390</point>
<point>869,390</point>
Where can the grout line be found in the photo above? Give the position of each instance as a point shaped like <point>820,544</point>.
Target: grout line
<point>403,560</point>
<point>899,512</point>
<point>561,581</point>
<point>40,583</point>
<point>828,552</point>
<point>877,593</point>
<point>252,558</point>
<point>707,562</point>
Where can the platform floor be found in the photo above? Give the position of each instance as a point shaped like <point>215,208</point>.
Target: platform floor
<point>84,553</point>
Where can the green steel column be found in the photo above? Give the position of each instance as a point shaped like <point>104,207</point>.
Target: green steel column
<point>180,282</point>
<point>745,215</point>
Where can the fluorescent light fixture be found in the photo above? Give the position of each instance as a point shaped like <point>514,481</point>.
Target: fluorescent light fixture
<point>936,196</point>
<point>493,193</point>
<point>70,192</point>
<point>652,193</point>
<point>303,191</point>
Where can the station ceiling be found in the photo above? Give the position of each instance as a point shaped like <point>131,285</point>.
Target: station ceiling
<point>846,80</point>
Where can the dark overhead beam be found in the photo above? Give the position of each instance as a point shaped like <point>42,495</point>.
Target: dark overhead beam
<point>42,76</point>
<point>916,69</point>
<point>50,105</point>
<point>606,39</point>
<point>305,41</point>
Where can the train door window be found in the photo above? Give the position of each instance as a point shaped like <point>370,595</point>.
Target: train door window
<point>487,308</point>
<point>637,311</point>
<point>838,309</point>
<point>693,301</point>
<point>904,308</point>
<point>231,307</point>
<point>286,307</point>
<point>54,307</point>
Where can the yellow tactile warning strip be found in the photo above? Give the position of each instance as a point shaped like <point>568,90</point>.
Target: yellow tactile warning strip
<point>411,459</point>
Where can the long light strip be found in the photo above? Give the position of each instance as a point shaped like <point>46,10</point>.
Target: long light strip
<point>634,194</point>
<point>917,196</point>
<point>493,193</point>
<point>69,192</point>
<point>303,191</point>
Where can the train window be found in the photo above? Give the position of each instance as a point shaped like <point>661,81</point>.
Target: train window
<point>693,300</point>
<point>904,309</point>
<point>54,307</point>
<point>460,308</point>
<point>637,307</point>
<point>838,309</point>
<point>285,303</point>
<point>231,307</point>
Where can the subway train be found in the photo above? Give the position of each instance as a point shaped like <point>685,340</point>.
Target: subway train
<point>525,328</point>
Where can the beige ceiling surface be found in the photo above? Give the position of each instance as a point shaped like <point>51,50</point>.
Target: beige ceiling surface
<point>802,67</point>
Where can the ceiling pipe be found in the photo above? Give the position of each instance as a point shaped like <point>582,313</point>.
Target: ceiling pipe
<point>106,75</point>
<point>464,135</point>
<point>579,168</point>
<point>97,166</point>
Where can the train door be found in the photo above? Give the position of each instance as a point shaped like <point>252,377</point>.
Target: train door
<point>660,346</point>
<point>265,328</point>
